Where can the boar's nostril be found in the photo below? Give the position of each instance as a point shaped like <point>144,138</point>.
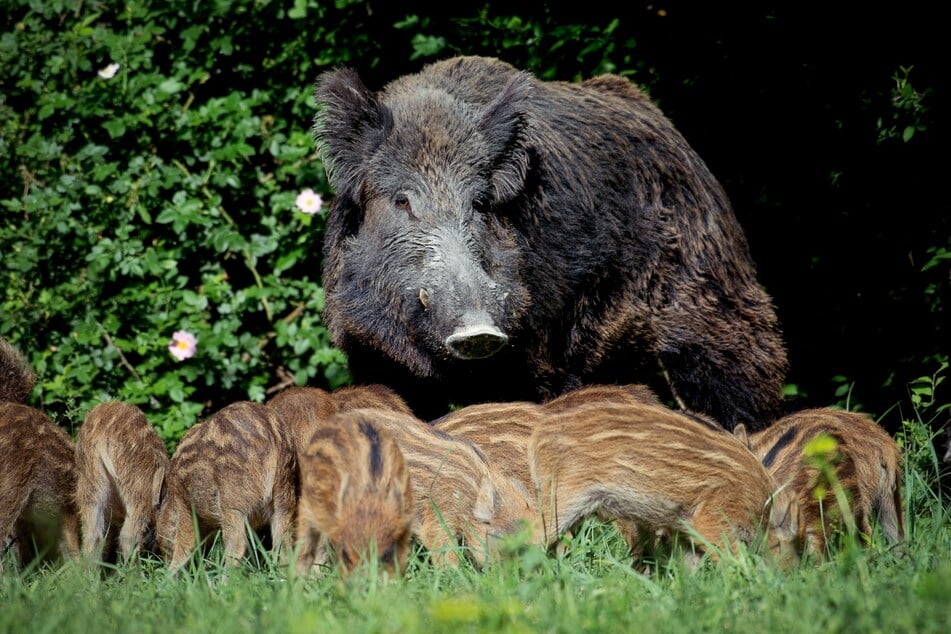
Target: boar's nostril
<point>476,342</point>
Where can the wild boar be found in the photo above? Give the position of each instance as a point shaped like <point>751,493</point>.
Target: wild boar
<point>121,464</point>
<point>494,237</point>
<point>501,432</point>
<point>374,395</point>
<point>37,485</point>
<point>461,499</point>
<point>355,496</point>
<point>866,462</point>
<point>237,468</point>
<point>662,472</point>
<point>303,409</point>
<point>37,472</point>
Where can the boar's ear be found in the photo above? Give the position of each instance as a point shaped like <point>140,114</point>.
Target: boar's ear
<point>503,125</point>
<point>349,124</point>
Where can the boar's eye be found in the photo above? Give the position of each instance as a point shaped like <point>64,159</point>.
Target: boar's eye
<point>481,205</point>
<point>401,202</point>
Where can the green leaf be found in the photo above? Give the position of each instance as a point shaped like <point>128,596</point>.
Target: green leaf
<point>115,127</point>
<point>298,11</point>
<point>171,86</point>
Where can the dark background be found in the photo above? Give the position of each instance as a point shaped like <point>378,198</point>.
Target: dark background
<point>782,101</point>
<point>783,104</point>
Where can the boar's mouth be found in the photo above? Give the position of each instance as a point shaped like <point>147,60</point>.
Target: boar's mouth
<point>478,341</point>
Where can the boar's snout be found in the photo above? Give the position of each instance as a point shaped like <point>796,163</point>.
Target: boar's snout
<point>477,338</point>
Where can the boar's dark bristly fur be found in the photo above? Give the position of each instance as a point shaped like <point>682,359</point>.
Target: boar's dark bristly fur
<point>494,237</point>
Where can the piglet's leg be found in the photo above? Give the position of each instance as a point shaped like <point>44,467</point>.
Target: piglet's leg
<point>133,528</point>
<point>12,502</point>
<point>69,535</point>
<point>184,536</point>
<point>282,520</point>
<point>234,537</point>
<point>93,505</point>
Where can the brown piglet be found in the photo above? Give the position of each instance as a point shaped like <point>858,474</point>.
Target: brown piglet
<point>121,464</point>
<point>661,471</point>
<point>236,468</point>
<point>866,462</point>
<point>602,393</point>
<point>37,485</point>
<point>461,499</point>
<point>303,409</point>
<point>370,395</point>
<point>355,499</point>
<point>37,471</point>
<point>501,431</point>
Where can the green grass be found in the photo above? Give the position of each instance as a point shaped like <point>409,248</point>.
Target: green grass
<point>591,589</point>
<point>590,586</point>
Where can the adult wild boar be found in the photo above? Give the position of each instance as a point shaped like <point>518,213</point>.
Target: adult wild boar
<point>497,237</point>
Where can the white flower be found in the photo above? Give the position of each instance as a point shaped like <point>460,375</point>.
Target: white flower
<point>109,71</point>
<point>309,201</point>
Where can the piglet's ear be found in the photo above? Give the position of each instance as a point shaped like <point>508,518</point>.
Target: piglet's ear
<point>484,508</point>
<point>503,125</point>
<point>159,488</point>
<point>785,515</point>
<point>349,125</point>
<point>740,432</point>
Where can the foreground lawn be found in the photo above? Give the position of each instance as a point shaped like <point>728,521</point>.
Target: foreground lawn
<point>591,587</point>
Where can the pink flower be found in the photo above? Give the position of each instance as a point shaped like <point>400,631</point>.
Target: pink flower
<point>309,201</point>
<point>183,345</point>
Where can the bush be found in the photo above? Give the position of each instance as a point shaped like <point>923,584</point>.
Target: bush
<point>162,197</point>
